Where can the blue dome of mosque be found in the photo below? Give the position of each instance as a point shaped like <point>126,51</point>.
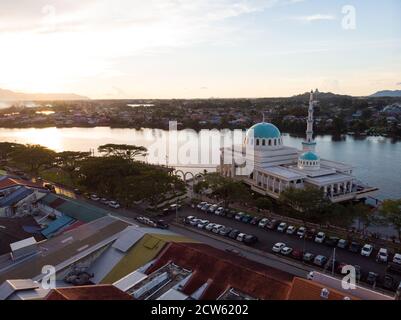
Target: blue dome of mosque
<point>264,130</point>
<point>309,156</point>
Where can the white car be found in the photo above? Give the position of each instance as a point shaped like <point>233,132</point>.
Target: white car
<point>397,258</point>
<point>366,250</point>
<point>202,224</point>
<point>278,246</point>
<point>195,222</point>
<point>320,237</point>
<point>219,211</point>
<point>210,226</point>
<point>291,230</point>
<point>212,208</point>
<point>263,223</point>
<point>241,237</point>
<point>200,205</point>
<point>286,251</point>
<point>114,204</point>
<point>301,232</point>
<point>382,255</point>
<point>189,219</point>
<point>94,197</point>
<point>281,227</point>
<point>217,228</point>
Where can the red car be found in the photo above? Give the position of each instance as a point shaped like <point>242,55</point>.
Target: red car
<point>297,254</point>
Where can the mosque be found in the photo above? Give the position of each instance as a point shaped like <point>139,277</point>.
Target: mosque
<point>269,167</point>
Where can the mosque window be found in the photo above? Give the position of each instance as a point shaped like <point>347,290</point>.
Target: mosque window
<point>257,142</point>
<point>263,142</point>
<point>275,142</point>
<point>270,142</point>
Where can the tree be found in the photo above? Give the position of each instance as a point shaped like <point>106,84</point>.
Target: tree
<point>263,203</point>
<point>228,189</point>
<point>7,148</point>
<point>33,157</point>
<point>308,203</point>
<point>125,151</point>
<point>390,212</point>
<point>70,161</point>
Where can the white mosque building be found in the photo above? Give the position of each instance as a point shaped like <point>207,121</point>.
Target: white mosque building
<point>270,167</point>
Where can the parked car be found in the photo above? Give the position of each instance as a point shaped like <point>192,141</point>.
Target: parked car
<point>354,247</point>
<point>233,251</point>
<point>301,232</point>
<point>230,213</point>
<point>239,216</point>
<point>320,260</point>
<point>291,230</point>
<point>194,222</point>
<point>272,224</point>
<point>308,257</point>
<point>262,223</point>
<point>250,239</point>
<point>366,250</point>
<point>161,224</point>
<point>320,237</point>
<point>341,266</point>
<point>219,211</point>
<point>397,258</point>
<point>210,226</point>
<point>372,278</point>
<point>94,197</point>
<point>206,207</point>
<point>310,234</point>
<point>189,219</point>
<point>217,228</point>
<point>332,241</point>
<point>104,201</point>
<point>330,263</point>
<point>255,220</point>
<point>241,237</point>
<point>212,208</point>
<point>202,224</point>
<point>201,204</point>
<point>382,255</point>
<point>174,207</point>
<point>342,243</point>
<point>114,204</point>
<point>286,251</point>
<point>297,254</point>
<point>278,246</point>
<point>281,227</point>
<point>246,218</point>
<point>234,233</point>
<point>225,231</point>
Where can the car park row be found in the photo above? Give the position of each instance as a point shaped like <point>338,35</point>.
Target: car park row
<point>382,256</point>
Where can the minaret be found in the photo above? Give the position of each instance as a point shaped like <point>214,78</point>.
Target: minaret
<point>309,144</point>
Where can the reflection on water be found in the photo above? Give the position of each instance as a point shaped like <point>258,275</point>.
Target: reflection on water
<point>377,160</point>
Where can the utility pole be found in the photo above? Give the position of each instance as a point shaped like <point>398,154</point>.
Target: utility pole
<point>334,260</point>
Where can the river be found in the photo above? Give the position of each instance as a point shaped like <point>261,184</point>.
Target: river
<point>376,160</point>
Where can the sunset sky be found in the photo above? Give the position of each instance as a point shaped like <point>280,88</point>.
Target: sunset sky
<point>199,48</point>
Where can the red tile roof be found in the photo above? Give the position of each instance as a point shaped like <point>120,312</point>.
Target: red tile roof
<point>12,182</point>
<point>91,292</point>
<point>224,271</point>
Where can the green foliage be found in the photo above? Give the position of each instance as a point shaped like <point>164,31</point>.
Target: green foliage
<point>32,157</point>
<point>309,203</point>
<point>70,161</point>
<point>263,203</point>
<point>390,212</point>
<point>122,150</point>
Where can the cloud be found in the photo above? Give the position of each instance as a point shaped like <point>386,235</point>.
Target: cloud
<point>314,17</point>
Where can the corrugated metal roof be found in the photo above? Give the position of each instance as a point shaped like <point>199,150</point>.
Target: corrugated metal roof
<point>15,196</point>
<point>76,209</point>
<point>128,238</point>
<point>57,225</point>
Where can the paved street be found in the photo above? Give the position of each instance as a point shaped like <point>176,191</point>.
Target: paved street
<point>267,238</point>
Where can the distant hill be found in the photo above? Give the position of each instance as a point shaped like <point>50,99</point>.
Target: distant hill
<point>8,95</point>
<point>321,96</point>
<point>387,93</point>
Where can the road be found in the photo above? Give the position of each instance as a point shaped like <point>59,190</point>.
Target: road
<point>267,238</point>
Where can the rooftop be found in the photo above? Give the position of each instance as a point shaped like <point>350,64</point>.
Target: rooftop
<point>97,292</point>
